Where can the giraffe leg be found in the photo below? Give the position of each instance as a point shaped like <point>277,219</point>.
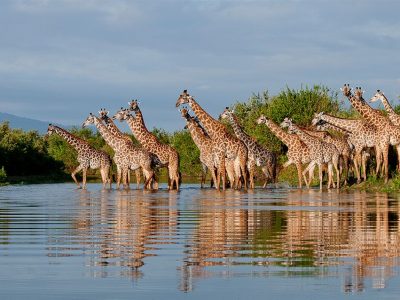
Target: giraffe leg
<point>346,168</point>
<point>386,163</point>
<point>148,175</point>
<point>320,175</point>
<point>108,174</point>
<point>243,169</point>
<point>311,174</point>
<point>84,178</point>
<point>124,178</point>
<point>237,173</point>
<point>103,177</point>
<point>251,167</point>
<point>119,174</point>
<point>78,169</point>
<point>214,177</point>
<point>303,174</point>
<point>330,179</point>
<point>335,164</point>
<point>299,174</point>
<point>356,159</point>
<point>137,174</point>
<point>203,174</point>
<point>230,170</point>
<point>173,175</point>
<point>221,173</point>
<point>378,154</point>
<point>267,173</point>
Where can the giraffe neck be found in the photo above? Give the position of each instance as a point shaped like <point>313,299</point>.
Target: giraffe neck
<point>113,128</point>
<point>366,111</point>
<point>197,133</point>
<point>346,124</point>
<point>139,130</point>
<point>240,134</point>
<point>333,127</point>
<point>387,105</point>
<point>71,139</point>
<point>307,139</point>
<point>318,134</point>
<point>281,134</point>
<point>212,126</point>
<point>139,118</point>
<point>110,139</point>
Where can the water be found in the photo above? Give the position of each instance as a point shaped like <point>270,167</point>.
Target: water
<point>57,242</point>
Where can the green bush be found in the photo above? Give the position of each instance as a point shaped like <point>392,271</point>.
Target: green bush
<point>3,175</point>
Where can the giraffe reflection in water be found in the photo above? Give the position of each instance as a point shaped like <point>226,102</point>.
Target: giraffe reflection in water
<point>352,236</point>
<point>302,233</point>
<point>120,230</point>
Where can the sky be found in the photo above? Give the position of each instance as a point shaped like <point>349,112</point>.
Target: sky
<point>62,59</point>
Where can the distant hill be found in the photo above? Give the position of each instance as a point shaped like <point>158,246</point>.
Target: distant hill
<point>26,123</point>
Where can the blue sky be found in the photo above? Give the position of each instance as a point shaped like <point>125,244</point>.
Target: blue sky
<point>61,59</point>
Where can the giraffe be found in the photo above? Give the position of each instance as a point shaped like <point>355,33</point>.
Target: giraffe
<point>167,155</point>
<point>320,152</point>
<point>347,137</point>
<point>126,156</point>
<point>257,155</point>
<point>206,146</point>
<point>361,135</point>
<point>392,115</point>
<point>340,143</point>
<point>388,133</point>
<point>229,164</point>
<point>103,116</point>
<point>233,148</point>
<point>298,152</point>
<point>88,156</point>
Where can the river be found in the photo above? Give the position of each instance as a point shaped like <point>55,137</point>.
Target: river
<point>57,242</point>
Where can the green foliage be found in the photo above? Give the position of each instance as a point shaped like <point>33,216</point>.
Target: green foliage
<point>25,153</point>
<point>3,175</point>
<point>188,152</point>
<point>300,105</point>
<point>162,135</point>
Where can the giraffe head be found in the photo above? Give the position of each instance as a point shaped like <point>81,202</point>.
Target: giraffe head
<point>358,93</point>
<point>89,120</point>
<point>185,113</point>
<point>184,98</point>
<point>226,113</point>
<point>133,105</point>
<point>317,118</point>
<point>122,114</point>
<point>50,130</point>
<point>286,123</point>
<point>346,89</point>
<point>103,114</point>
<point>261,119</point>
<point>378,96</point>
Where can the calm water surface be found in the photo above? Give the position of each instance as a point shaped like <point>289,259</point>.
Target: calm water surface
<point>57,242</point>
